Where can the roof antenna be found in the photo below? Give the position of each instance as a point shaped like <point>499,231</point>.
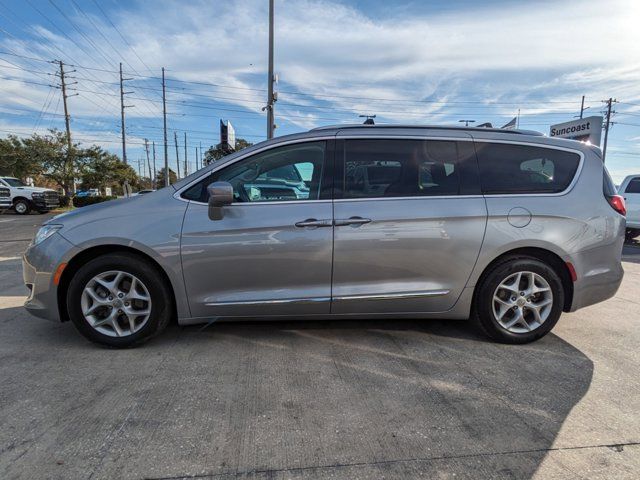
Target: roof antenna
<point>369,119</point>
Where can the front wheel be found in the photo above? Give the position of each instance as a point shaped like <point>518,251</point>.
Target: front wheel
<point>21,207</point>
<point>519,300</point>
<point>631,233</point>
<point>119,300</point>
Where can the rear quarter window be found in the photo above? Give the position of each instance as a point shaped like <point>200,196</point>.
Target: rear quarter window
<point>524,169</point>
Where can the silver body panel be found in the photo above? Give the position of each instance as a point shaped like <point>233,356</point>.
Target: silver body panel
<point>418,257</point>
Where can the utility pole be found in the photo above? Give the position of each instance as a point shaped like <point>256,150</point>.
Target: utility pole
<point>175,139</point>
<point>166,145</point>
<point>155,178</point>
<point>582,107</point>
<point>197,159</point>
<point>186,167</point>
<point>201,164</point>
<point>270,98</point>
<point>146,148</point>
<point>607,125</point>
<point>122,107</point>
<point>67,122</point>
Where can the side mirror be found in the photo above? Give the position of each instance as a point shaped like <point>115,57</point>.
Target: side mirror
<point>220,194</point>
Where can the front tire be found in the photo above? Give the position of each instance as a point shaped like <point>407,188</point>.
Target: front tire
<point>119,300</point>
<point>631,233</point>
<point>22,207</point>
<point>519,300</point>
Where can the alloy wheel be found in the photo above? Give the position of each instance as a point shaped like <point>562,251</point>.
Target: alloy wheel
<point>116,303</point>
<point>522,302</point>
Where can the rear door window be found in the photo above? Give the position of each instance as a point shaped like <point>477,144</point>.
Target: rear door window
<point>524,169</point>
<point>400,168</point>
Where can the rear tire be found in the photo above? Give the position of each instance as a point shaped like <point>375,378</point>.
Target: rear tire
<point>119,300</point>
<point>519,300</point>
<point>22,207</point>
<point>631,233</point>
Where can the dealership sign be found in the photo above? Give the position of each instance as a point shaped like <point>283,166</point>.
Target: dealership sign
<point>585,129</point>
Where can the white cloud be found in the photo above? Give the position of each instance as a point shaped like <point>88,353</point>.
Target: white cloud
<point>538,54</point>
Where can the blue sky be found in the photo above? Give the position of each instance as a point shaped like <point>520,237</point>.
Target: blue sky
<point>405,61</point>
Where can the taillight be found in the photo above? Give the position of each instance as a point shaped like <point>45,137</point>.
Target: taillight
<point>617,203</point>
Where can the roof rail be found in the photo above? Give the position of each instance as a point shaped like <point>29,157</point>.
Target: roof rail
<point>429,127</point>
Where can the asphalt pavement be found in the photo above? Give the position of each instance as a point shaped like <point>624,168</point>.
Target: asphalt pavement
<point>305,400</point>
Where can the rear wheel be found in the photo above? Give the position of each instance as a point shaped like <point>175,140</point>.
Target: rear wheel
<point>631,233</point>
<point>519,300</point>
<point>119,300</point>
<point>21,206</point>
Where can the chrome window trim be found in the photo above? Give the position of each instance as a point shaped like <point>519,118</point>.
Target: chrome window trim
<point>467,137</point>
<point>415,197</point>
<point>178,193</point>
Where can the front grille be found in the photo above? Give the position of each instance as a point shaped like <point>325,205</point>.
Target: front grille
<point>51,199</point>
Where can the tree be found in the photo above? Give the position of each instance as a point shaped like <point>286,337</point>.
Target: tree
<point>217,152</point>
<point>103,169</point>
<point>15,159</point>
<point>50,153</point>
<point>160,180</point>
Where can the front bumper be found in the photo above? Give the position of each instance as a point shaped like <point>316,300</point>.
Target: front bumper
<point>45,204</point>
<point>39,264</point>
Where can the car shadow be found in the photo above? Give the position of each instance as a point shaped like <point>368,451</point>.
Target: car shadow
<point>307,399</point>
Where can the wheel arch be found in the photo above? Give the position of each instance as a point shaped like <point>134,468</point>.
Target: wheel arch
<point>547,256</point>
<point>74,264</point>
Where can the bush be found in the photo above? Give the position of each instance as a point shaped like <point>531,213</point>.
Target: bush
<point>65,200</point>
<point>84,201</point>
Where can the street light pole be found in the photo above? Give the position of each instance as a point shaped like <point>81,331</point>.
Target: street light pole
<point>270,113</point>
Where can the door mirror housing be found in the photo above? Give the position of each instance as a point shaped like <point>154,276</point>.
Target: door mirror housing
<point>220,195</point>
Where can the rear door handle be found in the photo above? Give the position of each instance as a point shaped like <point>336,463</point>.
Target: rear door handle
<point>312,222</point>
<point>351,221</point>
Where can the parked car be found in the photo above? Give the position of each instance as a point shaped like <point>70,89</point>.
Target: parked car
<point>92,192</point>
<point>508,227</point>
<point>630,190</point>
<point>25,198</point>
<point>5,199</point>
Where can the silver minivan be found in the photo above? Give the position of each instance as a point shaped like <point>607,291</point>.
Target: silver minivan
<point>508,228</point>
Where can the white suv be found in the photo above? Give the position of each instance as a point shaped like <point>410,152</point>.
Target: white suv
<point>630,190</point>
<point>24,198</point>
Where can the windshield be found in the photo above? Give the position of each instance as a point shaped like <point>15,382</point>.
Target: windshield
<point>13,182</point>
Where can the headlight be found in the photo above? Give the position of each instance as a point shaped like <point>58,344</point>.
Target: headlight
<point>45,232</point>
<point>37,195</point>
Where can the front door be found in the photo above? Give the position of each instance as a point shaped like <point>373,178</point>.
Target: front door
<point>271,252</point>
<point>408,226</point>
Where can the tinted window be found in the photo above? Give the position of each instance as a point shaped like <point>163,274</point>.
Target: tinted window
<point>634,186</point>
<point>291,172</point>
<point>508,168</point>
<point>400,168</point>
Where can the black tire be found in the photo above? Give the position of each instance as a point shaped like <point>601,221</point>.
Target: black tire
<point>483,300</point>
<point>160,293</point>
<point>21,207</point>
<point>631,233</point>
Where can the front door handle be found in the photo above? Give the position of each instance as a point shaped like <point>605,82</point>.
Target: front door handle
<point>312,222</point>
<point>351,221</point>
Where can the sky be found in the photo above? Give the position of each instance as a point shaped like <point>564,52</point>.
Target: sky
<point>417,62</point>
